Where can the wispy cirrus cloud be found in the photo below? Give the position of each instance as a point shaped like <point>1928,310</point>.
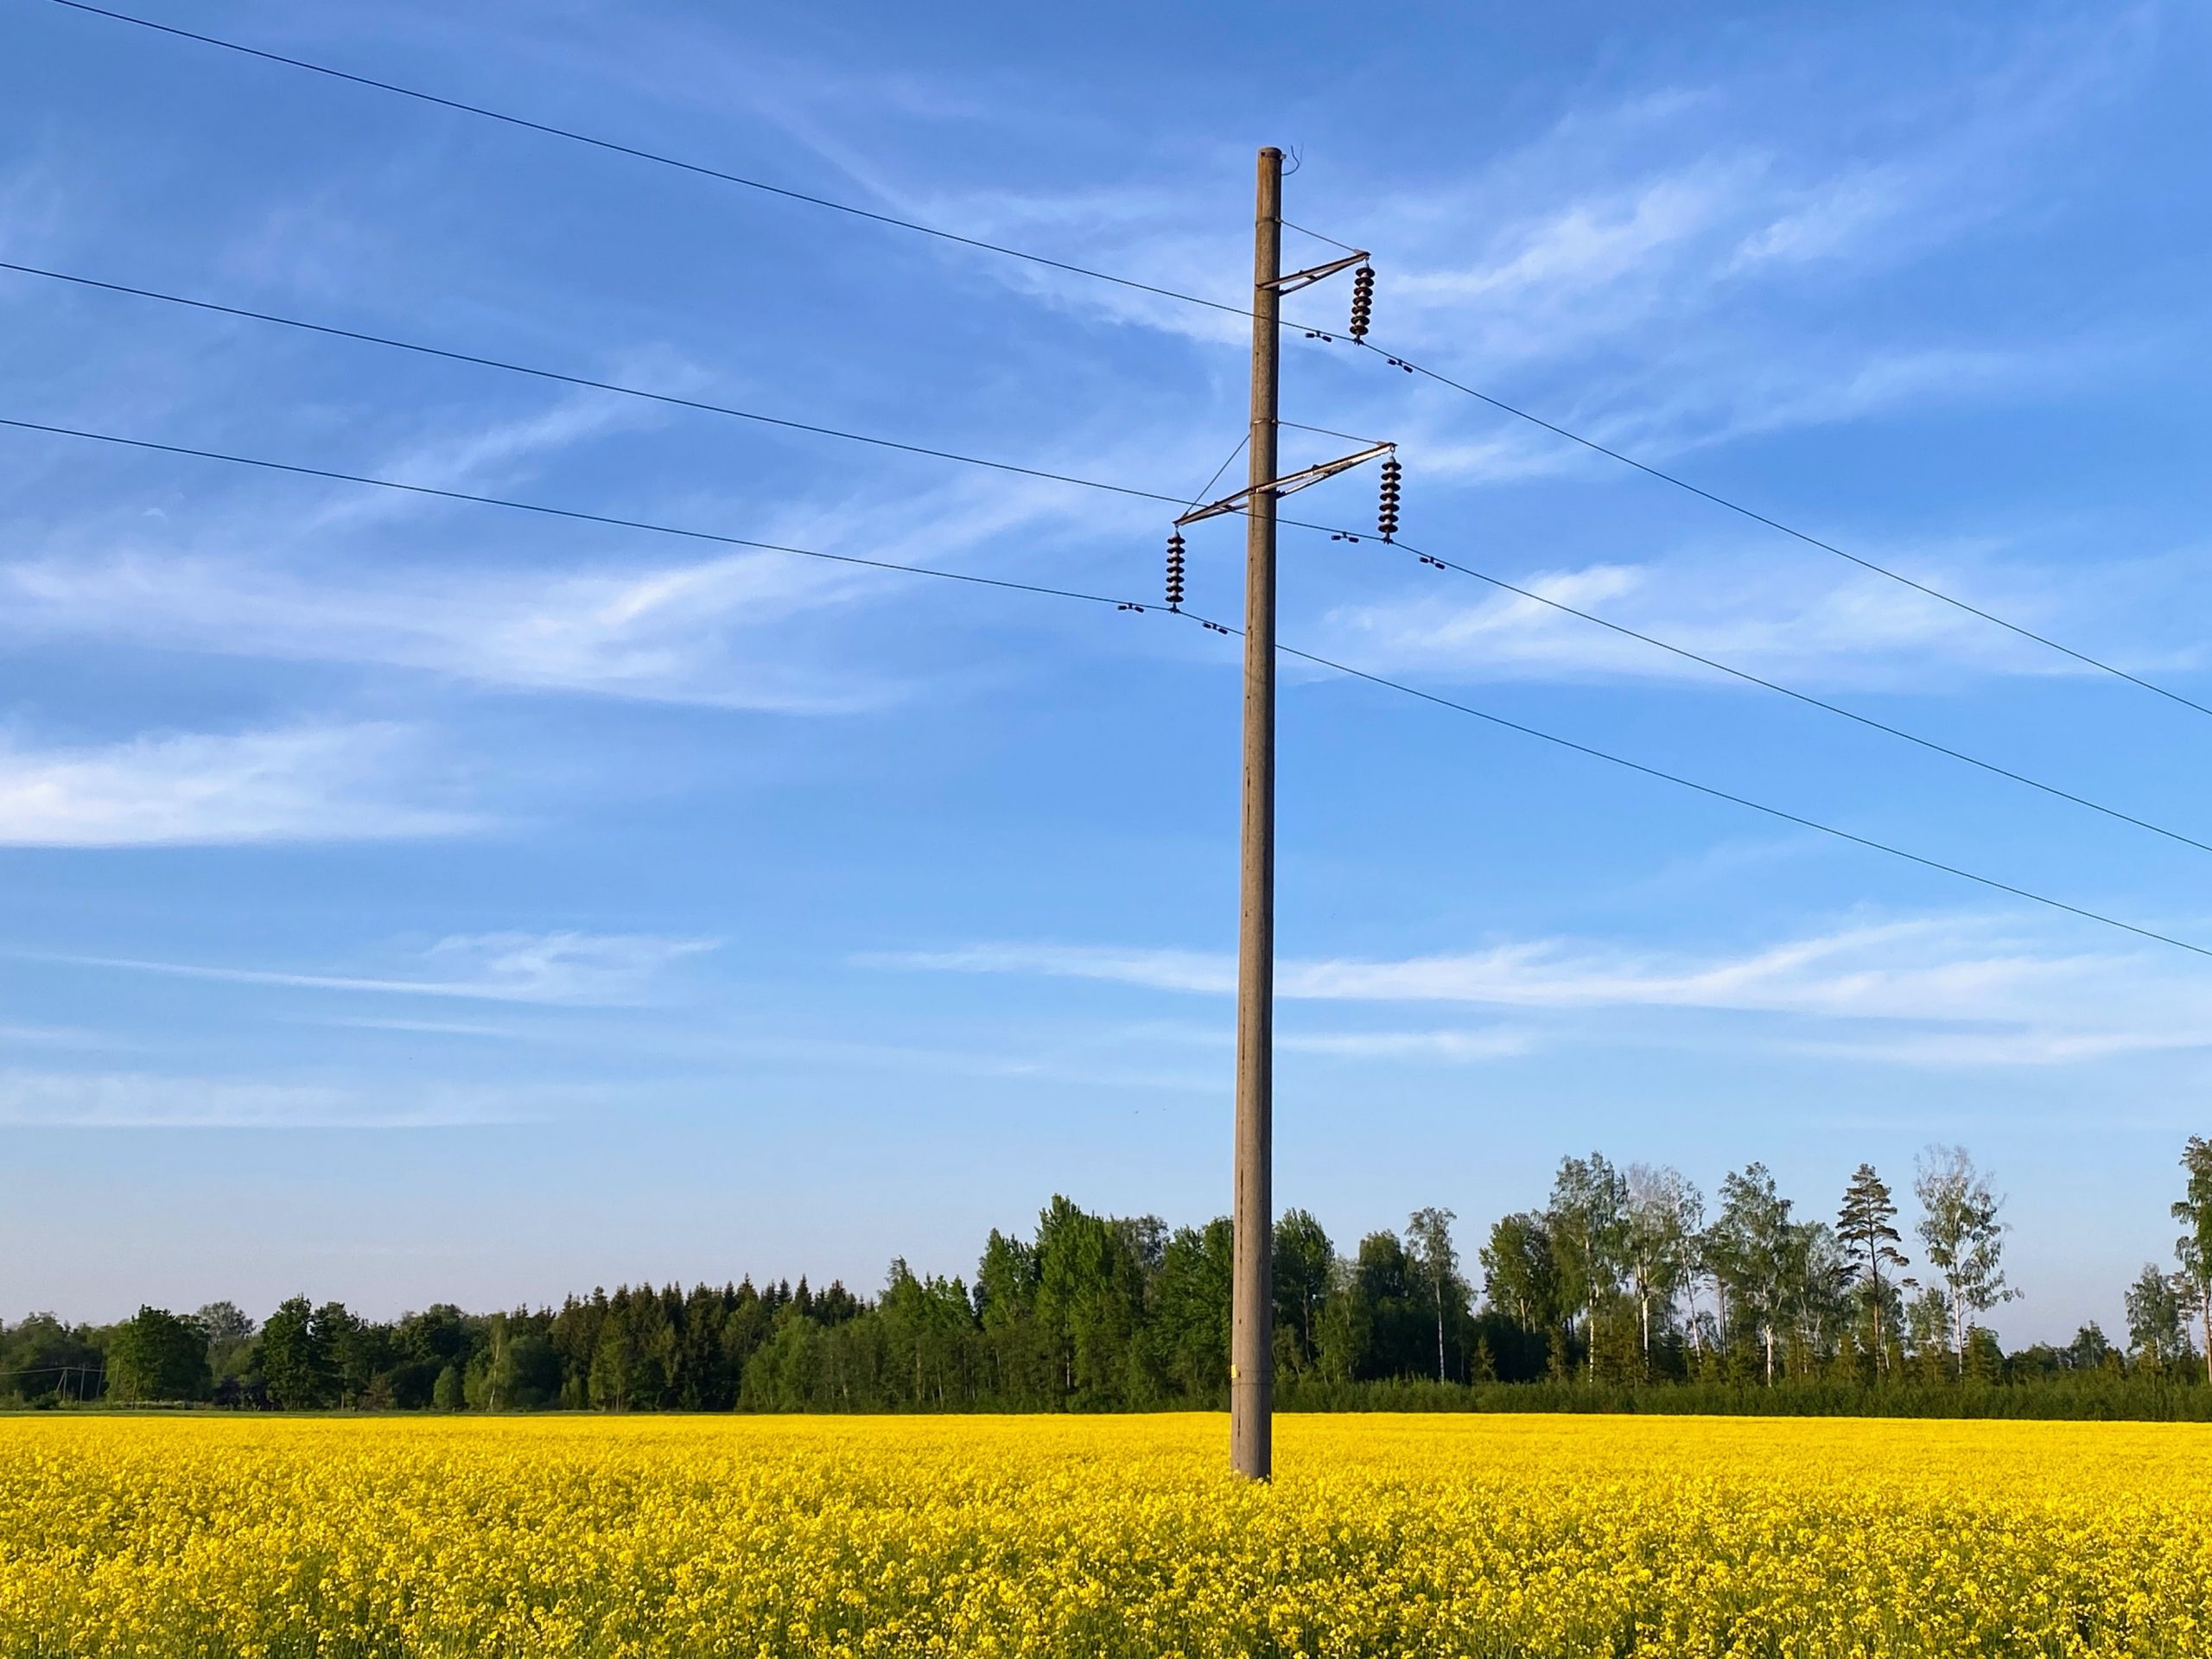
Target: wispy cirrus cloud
<point>1443,1047</point>
<point>1833,973</point>
<point>609,970</point>
<point>1804,623</point>
<point>1643,269</point>
<point>482,455</point>
<point>346,782</point>
<point>505,602</point>
<point>670,632</point>
<point>137,1099</point>
<point>1963,990</point>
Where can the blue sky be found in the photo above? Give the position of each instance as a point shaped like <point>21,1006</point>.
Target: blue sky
<point>409,900</point>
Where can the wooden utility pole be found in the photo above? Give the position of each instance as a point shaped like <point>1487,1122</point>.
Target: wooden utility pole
<point>1251,1342</point>
<point>1251,1335</point>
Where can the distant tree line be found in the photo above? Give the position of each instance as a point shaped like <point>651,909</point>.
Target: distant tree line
<point>1626,1289</point>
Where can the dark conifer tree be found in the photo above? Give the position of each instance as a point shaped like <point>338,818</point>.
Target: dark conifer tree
<point>1870,1243</point>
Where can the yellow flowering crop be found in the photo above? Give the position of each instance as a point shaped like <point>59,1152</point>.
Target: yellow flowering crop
<point>1522,1536</point>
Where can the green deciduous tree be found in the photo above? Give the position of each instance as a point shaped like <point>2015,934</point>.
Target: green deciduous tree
<point>449,1393</point>
<point>1752,1249</point>
<point>615,1367</point>
<point>1191,1308</point>
<point>295,1361</point>
<point>1393,1312</point>
<point>927,1323</point>
<point>2194,1248</point>
<point>1090,1286</point>
<point>1303,1260</point>
<point>2088,1351</point>
<point>1659,1243</point>
<point>2155,1327</point>
<point>1587,1220</point>
<point>1520,1276</point>
<point>230,1337</point>
<point>156,1354</point>
<point>1436,1261</point>
<point>1964,1238</point>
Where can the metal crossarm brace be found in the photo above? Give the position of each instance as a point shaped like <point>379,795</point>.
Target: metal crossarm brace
<point>1299,279</point>
<point>1281,486</point>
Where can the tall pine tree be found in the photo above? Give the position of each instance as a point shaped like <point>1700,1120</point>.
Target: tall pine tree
<point>1870,1243</point>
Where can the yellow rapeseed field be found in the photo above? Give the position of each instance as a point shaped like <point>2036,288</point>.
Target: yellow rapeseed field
<point>1527,1537</point>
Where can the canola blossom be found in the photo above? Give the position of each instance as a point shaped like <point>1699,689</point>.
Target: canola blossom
<point>1447,1536</point>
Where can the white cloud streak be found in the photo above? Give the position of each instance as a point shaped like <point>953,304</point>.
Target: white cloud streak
<point>132,1100</point>
<point>1444,1047</point>
<point>1795,622</point>
<point>601,969</point>
<point>301,783</point>
<point>754,630</point>
<point>1640,270</point>
<point>664,632</point>
<point>1950,991</point>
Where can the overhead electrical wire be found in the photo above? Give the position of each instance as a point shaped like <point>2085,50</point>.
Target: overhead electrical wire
<point>701,169</point>
<point>546,509</point>
<point>577,514</point>
<point>637,154</point>
<point>1805,697</point>
<point>1810,540</point>
<point>586,381</point>
<point>480,360</point>
<point>1678,780</point>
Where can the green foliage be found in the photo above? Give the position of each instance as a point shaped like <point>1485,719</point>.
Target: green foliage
<point>230,1342</point>
<point>1614,1296</point>
<point>1751,1250</point>
<point>154,1354</point>
<point>2156,1334</point>
<point>1435,1265</point>
<point>1659,1241</point>
<point>1865,1226</point>
<point>1091,1299</point>
<point>1587,1221</point>
<point>1304,1263</point>
<point>1190,1311</point>
<point>2091,1396</point>
<point>1958,1224</point>
<point>1521,1272</point>
<point>2193,1284</point>
<point>46,1362</point>
<point>295,1362</point>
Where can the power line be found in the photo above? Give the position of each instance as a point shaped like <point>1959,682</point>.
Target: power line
<point>917,227</point>
<point>1740,800</point>
<point>1319,661</point>
<point>1756,516</point>
<point>655,156</point>
<point>1805,697</point>
<point>479,360</point>
<point>586,381</point>
<point>564,512</point>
